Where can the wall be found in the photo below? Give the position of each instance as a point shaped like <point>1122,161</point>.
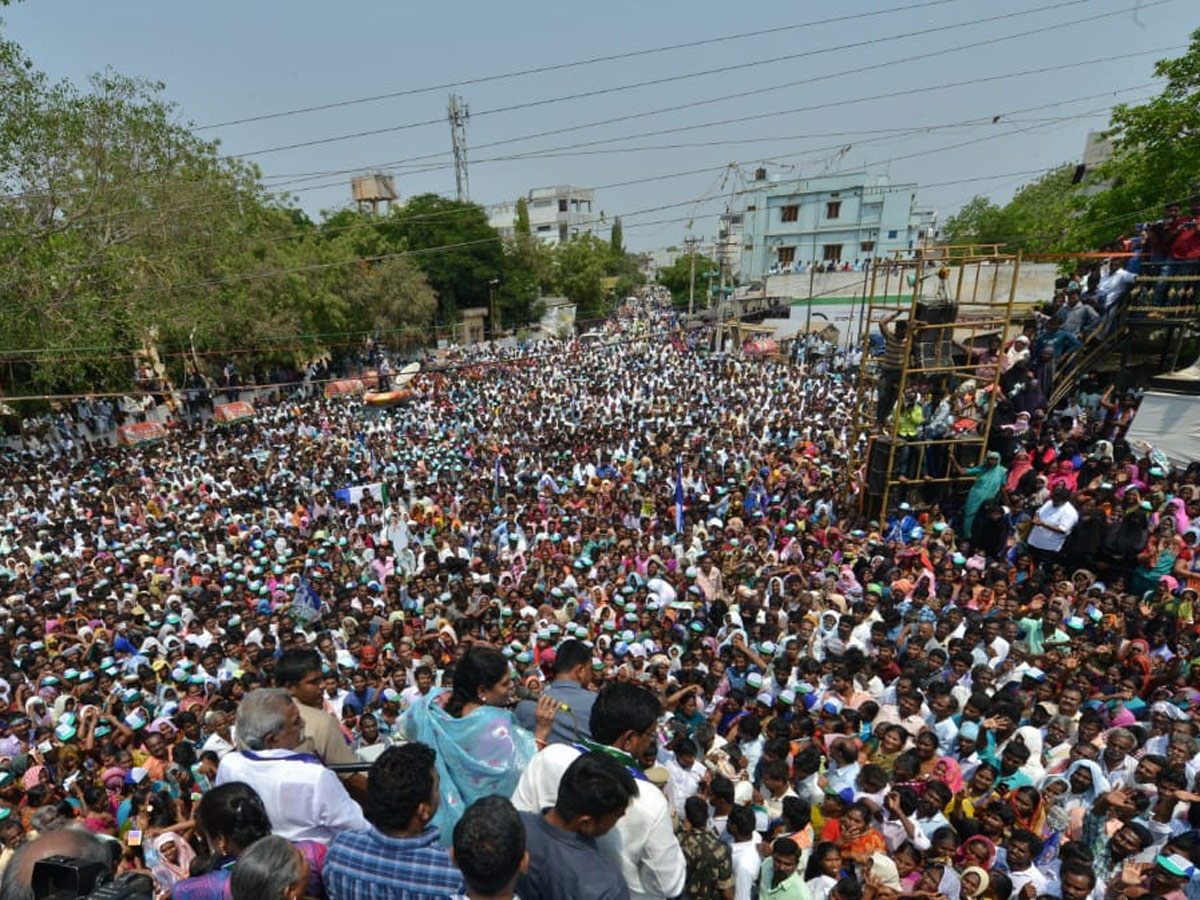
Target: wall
<point>1036,282</point>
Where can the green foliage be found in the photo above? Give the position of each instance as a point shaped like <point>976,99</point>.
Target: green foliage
<point>122,230</point>
<point>468,252</point>
<point>1034,221</point>
<point>1157,155</point>
<point>580,267</point>
<point>617,238</point>
<point>522,223</point>
<point>677,278</point>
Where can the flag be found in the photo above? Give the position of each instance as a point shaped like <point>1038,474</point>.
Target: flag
<point>679,496</point>
<point>354,495</point>
<point>306,605</point>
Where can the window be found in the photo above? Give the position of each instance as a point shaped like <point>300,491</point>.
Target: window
<point>749,247</point>
<point>751,208</point>
<point>892,234</point>
<point>833,210</point>
<point>832,252</point>
<point>562,205</point>
<point>789,213</point>
<point>542,228</point>
<point>786,255</point>
<point>867,246</point>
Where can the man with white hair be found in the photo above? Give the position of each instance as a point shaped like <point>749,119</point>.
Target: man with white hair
<point>303,799</point>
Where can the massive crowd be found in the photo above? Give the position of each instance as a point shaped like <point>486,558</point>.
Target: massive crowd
<point>605,622</point>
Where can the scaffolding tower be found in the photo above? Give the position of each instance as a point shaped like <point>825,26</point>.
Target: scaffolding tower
<point>951,298</point>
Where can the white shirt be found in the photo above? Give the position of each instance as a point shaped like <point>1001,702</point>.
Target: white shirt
<point>642,846</point>
<point>682,783</point>
<point>1020,879</point>
<point>217,745</point>
<point>1063,517</point>
<point>820,886</point>
<point>895,834</point>
<point>304,800</point>
<point>746,865</point>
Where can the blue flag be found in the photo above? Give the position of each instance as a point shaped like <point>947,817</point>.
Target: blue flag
<point>679,496</point>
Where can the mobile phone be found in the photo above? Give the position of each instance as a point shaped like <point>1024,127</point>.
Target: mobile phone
<point>45,746</point>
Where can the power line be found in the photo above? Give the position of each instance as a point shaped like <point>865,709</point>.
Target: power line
<point>390,129</point>
<point>889,134</point>
<point>988,119</point>
<point>658,177</point>
<point>558,67</point>
<point>754,117</point>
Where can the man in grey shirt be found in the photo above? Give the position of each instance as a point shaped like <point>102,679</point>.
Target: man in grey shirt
<point>564,863</point>
<point>572,675</point>
<point>1077,317</point>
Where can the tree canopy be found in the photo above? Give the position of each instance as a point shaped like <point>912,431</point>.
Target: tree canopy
<point>121,229</point>
<point>1035,220</point>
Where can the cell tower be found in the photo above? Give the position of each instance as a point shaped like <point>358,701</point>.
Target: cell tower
<point>459,115</point>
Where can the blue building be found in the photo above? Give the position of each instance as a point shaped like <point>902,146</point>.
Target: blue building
<point>791,223</point>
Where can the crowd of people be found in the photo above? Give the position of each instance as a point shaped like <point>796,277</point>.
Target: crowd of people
<point>603,621</point>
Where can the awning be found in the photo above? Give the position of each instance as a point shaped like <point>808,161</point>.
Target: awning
<point>1170,423</point>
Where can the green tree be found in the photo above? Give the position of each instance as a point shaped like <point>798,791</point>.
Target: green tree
<point>1035,220</point>
<point>119,227</point>
<point>617,238</point>
<point>452,242</point>
<point>677,278</point>
<point>1156,156</point>
<point>580,267</point>
<point>522,223</point>
<point>978,221</point>
<point>390,294</point>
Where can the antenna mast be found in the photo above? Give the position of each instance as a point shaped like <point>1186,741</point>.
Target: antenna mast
<point>458,115</point>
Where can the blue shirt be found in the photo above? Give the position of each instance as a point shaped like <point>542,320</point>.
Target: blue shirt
<point>369,865</point>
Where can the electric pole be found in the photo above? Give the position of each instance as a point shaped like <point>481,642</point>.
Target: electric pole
<point>721,304</point>
<point>458,115</point>
<point>691,242</point>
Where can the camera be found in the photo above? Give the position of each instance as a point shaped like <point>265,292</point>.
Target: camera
<point>67,878</point>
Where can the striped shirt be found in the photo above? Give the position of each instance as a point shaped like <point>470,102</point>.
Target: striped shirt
<point>893,352</point>
<point>370,865</point>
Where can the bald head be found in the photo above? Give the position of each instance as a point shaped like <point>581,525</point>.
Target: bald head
<point>17,883</point>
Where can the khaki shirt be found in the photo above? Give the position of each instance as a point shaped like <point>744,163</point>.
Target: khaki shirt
<point>323,737</point>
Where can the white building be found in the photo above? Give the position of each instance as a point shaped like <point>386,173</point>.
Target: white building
<point>848,218</point>
<point>556,214</point>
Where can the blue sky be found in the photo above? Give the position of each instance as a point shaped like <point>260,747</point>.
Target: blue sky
<point>223,61</point>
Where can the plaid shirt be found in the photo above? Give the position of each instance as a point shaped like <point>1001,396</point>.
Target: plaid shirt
<point>369,865</point>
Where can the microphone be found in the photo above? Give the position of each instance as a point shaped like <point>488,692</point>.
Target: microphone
<point>523,693</point>
<point>345,768</point>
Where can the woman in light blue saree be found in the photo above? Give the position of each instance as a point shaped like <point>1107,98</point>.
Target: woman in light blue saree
<point>481,749</point>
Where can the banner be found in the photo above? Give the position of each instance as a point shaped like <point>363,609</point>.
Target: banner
<point>354,495</point>
<point>140,433</point>
<point>233,412</point>
<point>347,387</point>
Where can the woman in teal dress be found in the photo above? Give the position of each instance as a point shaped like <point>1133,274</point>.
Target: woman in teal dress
<point>481,749</point>
<point>989,481</point>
